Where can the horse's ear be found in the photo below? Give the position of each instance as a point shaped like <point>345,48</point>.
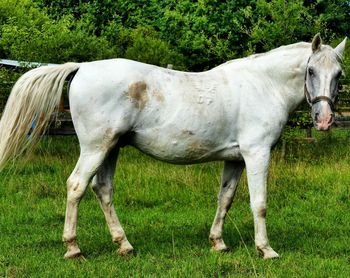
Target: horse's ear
<point>316,43</point>
<point>340,48</point>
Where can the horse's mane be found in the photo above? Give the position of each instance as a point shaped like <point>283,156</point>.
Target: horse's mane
<point>298,45</point>
<point>288,47</point>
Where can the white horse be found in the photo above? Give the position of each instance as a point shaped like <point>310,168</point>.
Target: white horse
<point>234,112</point>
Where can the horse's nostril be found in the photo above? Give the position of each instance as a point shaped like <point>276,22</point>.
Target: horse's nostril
<point>331,118</point>
<point>316,116</point>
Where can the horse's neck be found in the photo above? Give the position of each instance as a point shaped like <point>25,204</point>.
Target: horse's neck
<point>285,70</point>
<point>280,72</point>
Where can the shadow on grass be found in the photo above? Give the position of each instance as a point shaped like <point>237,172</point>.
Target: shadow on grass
<point>187,240</point>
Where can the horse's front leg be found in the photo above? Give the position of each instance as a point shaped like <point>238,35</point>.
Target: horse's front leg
<point>230,177</point>
<point>257,162</point>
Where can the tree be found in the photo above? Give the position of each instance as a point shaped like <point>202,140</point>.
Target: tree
<point>196,35</point>
<point>279,22</point>
<point>28,33</point>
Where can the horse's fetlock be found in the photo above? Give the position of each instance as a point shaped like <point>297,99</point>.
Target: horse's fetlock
<point>213,237</point>
<point>262,245</point>
<point>69,239</point>
<point>118,238</point>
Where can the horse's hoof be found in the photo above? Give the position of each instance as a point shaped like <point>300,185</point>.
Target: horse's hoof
<point>271,255</point>
<point>268,253</point>
<point>74,254</point>
<point>221,249</point>
<point>126,251</point>
<point>218,245</point>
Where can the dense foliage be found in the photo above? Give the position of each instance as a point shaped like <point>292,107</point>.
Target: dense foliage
<point>192,35</point>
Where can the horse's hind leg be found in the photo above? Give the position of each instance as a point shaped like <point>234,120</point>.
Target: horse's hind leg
<point>230,177</point>
<point>85,169</point>
<point>102,184</point>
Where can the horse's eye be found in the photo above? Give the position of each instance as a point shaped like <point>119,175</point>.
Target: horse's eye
<point>338,75</point>
<point>311,72</point>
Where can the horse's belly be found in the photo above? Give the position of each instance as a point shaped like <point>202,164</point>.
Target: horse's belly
<point>185,151</point>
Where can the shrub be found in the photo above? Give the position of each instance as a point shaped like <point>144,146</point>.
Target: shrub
<point>146,47</point>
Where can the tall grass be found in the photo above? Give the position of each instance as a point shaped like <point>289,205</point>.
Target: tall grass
<point>167,212</point>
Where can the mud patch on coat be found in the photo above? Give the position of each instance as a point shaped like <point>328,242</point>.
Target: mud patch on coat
<point>197,150</point>
<point>108,140</point>
<point>138,94</point>
<point>158,96</point>
<point>187,132</point>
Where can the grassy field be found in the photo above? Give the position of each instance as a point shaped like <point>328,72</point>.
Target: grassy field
<point>167,212</point>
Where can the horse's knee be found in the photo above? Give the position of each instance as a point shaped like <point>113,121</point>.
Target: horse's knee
<point>75,190</point>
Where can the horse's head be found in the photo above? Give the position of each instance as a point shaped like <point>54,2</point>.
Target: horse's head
<point>321,81</point>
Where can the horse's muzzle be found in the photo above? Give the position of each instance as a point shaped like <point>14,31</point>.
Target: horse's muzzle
<point>323,121</point>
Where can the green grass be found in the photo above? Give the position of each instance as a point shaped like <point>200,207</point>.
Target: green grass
<point>167,212</point>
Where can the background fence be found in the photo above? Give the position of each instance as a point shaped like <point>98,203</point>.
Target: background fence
<point>61,122</point>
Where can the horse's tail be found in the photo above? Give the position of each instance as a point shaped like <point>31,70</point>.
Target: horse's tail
<point>33,99</point>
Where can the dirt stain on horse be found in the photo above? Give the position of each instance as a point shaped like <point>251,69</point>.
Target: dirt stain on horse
<point>196,150</point>
<point>187,132</point>
<point>108,140</point>
<point>158,96</point>
<point>138,94</point>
